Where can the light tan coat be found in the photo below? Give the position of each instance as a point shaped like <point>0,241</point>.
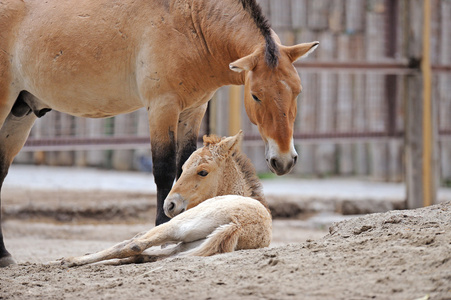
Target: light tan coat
<point>209,225</point>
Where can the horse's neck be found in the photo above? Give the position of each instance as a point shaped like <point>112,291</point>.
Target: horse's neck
<point>223,32</point>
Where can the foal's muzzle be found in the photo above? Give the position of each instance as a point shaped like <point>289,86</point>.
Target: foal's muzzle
<point>174,204</point>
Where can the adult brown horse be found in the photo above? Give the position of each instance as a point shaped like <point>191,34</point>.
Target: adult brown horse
<point>107,57</point>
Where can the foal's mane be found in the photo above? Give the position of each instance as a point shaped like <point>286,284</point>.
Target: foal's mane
<point>255,11</point>
<point>246,167</point>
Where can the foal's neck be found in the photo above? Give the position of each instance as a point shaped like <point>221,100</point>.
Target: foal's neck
<point>241,179</point>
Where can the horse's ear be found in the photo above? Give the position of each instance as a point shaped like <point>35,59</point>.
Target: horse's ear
<point>229,144</point>
<point>246,63</point>
<point>302,50</point>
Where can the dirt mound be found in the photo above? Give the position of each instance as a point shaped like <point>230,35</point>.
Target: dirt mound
<point>394,255</point>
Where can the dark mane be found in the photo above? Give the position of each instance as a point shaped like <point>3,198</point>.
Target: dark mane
<point>251,177</point>
<point>272,52</point>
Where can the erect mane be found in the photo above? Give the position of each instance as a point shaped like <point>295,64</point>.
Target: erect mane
<point>250,176</point>
<point>272,51</point>
<point>246,166</point>
<point>211,139</point>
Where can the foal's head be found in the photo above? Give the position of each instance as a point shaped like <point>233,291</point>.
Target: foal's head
<point>213,170</point>
<point>271,88</point>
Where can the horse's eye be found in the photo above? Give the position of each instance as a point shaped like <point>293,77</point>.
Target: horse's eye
<point>203,173</point>
<point>256,98</point>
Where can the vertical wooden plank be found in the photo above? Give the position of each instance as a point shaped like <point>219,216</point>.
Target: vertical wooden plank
<point>375,89</point>
<point>142,157</point>
<point>51,123</point>
<point>95,128</point>
<point>336,16</point>
<point>394,146</point>
<point>222,114</point>
<point>344,109</point>
<point>359,118</point>
<point>355,16</point>
<point>318,15</point>
<point>280,14</point>
<point>66,122</point>
<point>326,152</point>
<point>307,102</point>
<point>305,123</point>
<point>80,131</point>
<point>444,89</point>
<point>281,20</point>
<point>122,159</point>
<point>299,14</point>
<point>414,107</point>
<point>429,184</point>
<point>234,110</point>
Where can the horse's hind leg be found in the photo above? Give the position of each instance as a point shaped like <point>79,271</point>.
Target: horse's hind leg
<point>13,135</point>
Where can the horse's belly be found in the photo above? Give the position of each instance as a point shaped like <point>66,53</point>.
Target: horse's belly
<point>77,60</point>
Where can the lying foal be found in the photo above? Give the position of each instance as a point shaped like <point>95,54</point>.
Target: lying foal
<point>215,221</point>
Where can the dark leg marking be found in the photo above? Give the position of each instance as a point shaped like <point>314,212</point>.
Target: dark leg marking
<point>164,169</point>
<point>184,153</point>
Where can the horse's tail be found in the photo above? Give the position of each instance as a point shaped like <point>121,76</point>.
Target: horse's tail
<point>223,239</point>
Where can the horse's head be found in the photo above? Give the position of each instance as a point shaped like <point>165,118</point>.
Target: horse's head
<point>270,100</point>
<point>203,175</point>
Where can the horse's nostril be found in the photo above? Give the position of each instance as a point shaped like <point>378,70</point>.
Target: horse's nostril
<point>171,206</point>
<point>295,159</point>
<point>274,163</point>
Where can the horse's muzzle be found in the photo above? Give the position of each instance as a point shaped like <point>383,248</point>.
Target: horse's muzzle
<point>174,204</point>
<point>280,163</point>
<point>281,166</point>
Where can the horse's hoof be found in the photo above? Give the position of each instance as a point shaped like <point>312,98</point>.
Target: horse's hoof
<point>7,261</point>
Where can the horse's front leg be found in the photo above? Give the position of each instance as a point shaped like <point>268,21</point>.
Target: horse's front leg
<point>187,133</point>
<point>163,120</point>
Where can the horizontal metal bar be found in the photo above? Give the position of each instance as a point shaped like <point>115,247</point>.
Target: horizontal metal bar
<point>69,143</point>
<point>335,135</point>
<point>385,67</point>
<point>389,67</point>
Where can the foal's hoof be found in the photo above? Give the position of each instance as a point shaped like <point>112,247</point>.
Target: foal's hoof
<point>63,262</point>
<point>7,261</point>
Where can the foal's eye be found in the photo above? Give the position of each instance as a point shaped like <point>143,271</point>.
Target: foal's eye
<point>256,98</point>
<point>203,173</point>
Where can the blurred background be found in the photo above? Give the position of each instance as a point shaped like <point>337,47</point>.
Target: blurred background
<point>361,113</point>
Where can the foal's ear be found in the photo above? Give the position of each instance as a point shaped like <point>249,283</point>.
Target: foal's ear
<point>302,50</point>
<point>229,144</point>
<point>246,63</point>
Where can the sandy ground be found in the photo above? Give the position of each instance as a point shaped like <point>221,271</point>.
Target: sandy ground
<point>394,255</point>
